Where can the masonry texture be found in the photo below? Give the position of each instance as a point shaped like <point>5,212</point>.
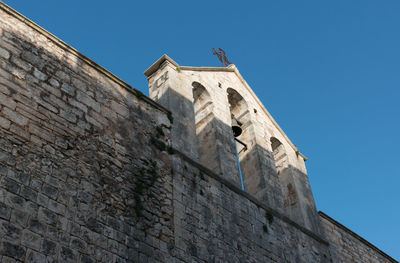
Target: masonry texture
<point>92,170</point>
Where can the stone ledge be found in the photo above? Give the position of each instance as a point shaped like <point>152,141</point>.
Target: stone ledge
<point>251,198</point>
<point>348,231</point>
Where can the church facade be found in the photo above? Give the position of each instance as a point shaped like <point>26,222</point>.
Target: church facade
<point>92,170</point>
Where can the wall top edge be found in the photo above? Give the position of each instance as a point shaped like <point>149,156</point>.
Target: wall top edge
<point>12,12</point>
<point>355,235</point>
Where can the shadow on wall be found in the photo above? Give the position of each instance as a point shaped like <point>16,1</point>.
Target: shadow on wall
<point>88,145</point>
<point>195,122</point>
<point>222,215</point>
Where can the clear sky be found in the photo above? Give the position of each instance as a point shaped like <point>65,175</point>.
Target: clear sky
<point>328,71</point>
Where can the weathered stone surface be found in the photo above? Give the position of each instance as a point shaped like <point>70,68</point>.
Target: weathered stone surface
<point>88,174</point>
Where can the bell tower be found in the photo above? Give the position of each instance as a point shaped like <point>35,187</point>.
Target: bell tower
<point>219,122</point>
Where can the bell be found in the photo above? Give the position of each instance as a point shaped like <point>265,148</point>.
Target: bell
<point>236,126</point>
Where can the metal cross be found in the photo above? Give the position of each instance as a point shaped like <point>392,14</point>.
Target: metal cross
<point>221,56</point>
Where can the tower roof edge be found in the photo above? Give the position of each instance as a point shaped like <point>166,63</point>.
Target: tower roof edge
<point>155,66</point>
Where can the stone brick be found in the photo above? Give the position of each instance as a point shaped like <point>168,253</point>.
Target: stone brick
<point>19,131</point>
<point>32,59</point>
<point>78,244</point>
<point>49,247</point>
<point>31,240</point>
<point>39,75</point>
<point>4,123</point>
<point>15,117</point>
<point>11,185</point>
<point>5,75</point>
<point>7,158</point>
<point>87,259</point>
<point>68,254</point>
<point>28,193</point>
<point>46,105</point>
<point>4,53</point>
<point>36,226</point>
<point>35,257</point>
<point>56,207</point>
<point>5,211</point>
<point>19,217</point>
<point>79,84</point>
<point>20,63</point>
<point>85,99</point>
<point>42,133</point>
<point>63,76</point>
<point>10,231</point>
<point>50,191</point>
<point>77,104</point>
<point>119,108</point>
<point>52,89</point>
<point>13,251</point>
<point>68,89</point>
<point>13,70</point>
<point>7,101</point>
<point>47,216</point>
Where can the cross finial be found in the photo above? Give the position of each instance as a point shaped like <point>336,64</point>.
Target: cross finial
<point>221,56</point>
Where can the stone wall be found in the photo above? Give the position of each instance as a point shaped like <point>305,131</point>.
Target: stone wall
<point>215,221</point>
<point>84,171</point>
<point>88,174</point>
<point>347,246</point>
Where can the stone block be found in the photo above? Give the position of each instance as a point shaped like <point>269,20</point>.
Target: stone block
<point>15,117</point>
<point>88,101</point>
<point>39,75</point>
<point>47,216</point>
<point>36,226</point>
<point>63,76</point>
<point>68,255</point>
<point>120,109</point>
<point>34,257</point>
<point>11,185</point>
<point>20,63</point>
<point>49,247</point>
<point>5,211</point>
<point>78,244</point>
<point>68,89</point>
<point>4,123</point>
<point>7,101</point>
<point>19,131</point>
<point>42,133</point>
<point>4,53</point>
<point>12,250</point>
<point>31,240</point>
<point>19,217</point>
<point>32,59</point>
<point>10,231</point>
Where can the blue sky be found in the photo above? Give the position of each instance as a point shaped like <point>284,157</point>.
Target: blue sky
<point>328,71</point>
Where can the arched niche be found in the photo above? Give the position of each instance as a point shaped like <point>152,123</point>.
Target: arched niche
<point>202,103</point>
<point>279,154</point>
<point>284,174</point>
<point>205,126</point>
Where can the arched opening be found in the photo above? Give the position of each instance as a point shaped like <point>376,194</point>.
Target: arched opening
<point>283,172</point>
<point>204,118</point>
<point>279,154</point>
<point>240,112</point>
